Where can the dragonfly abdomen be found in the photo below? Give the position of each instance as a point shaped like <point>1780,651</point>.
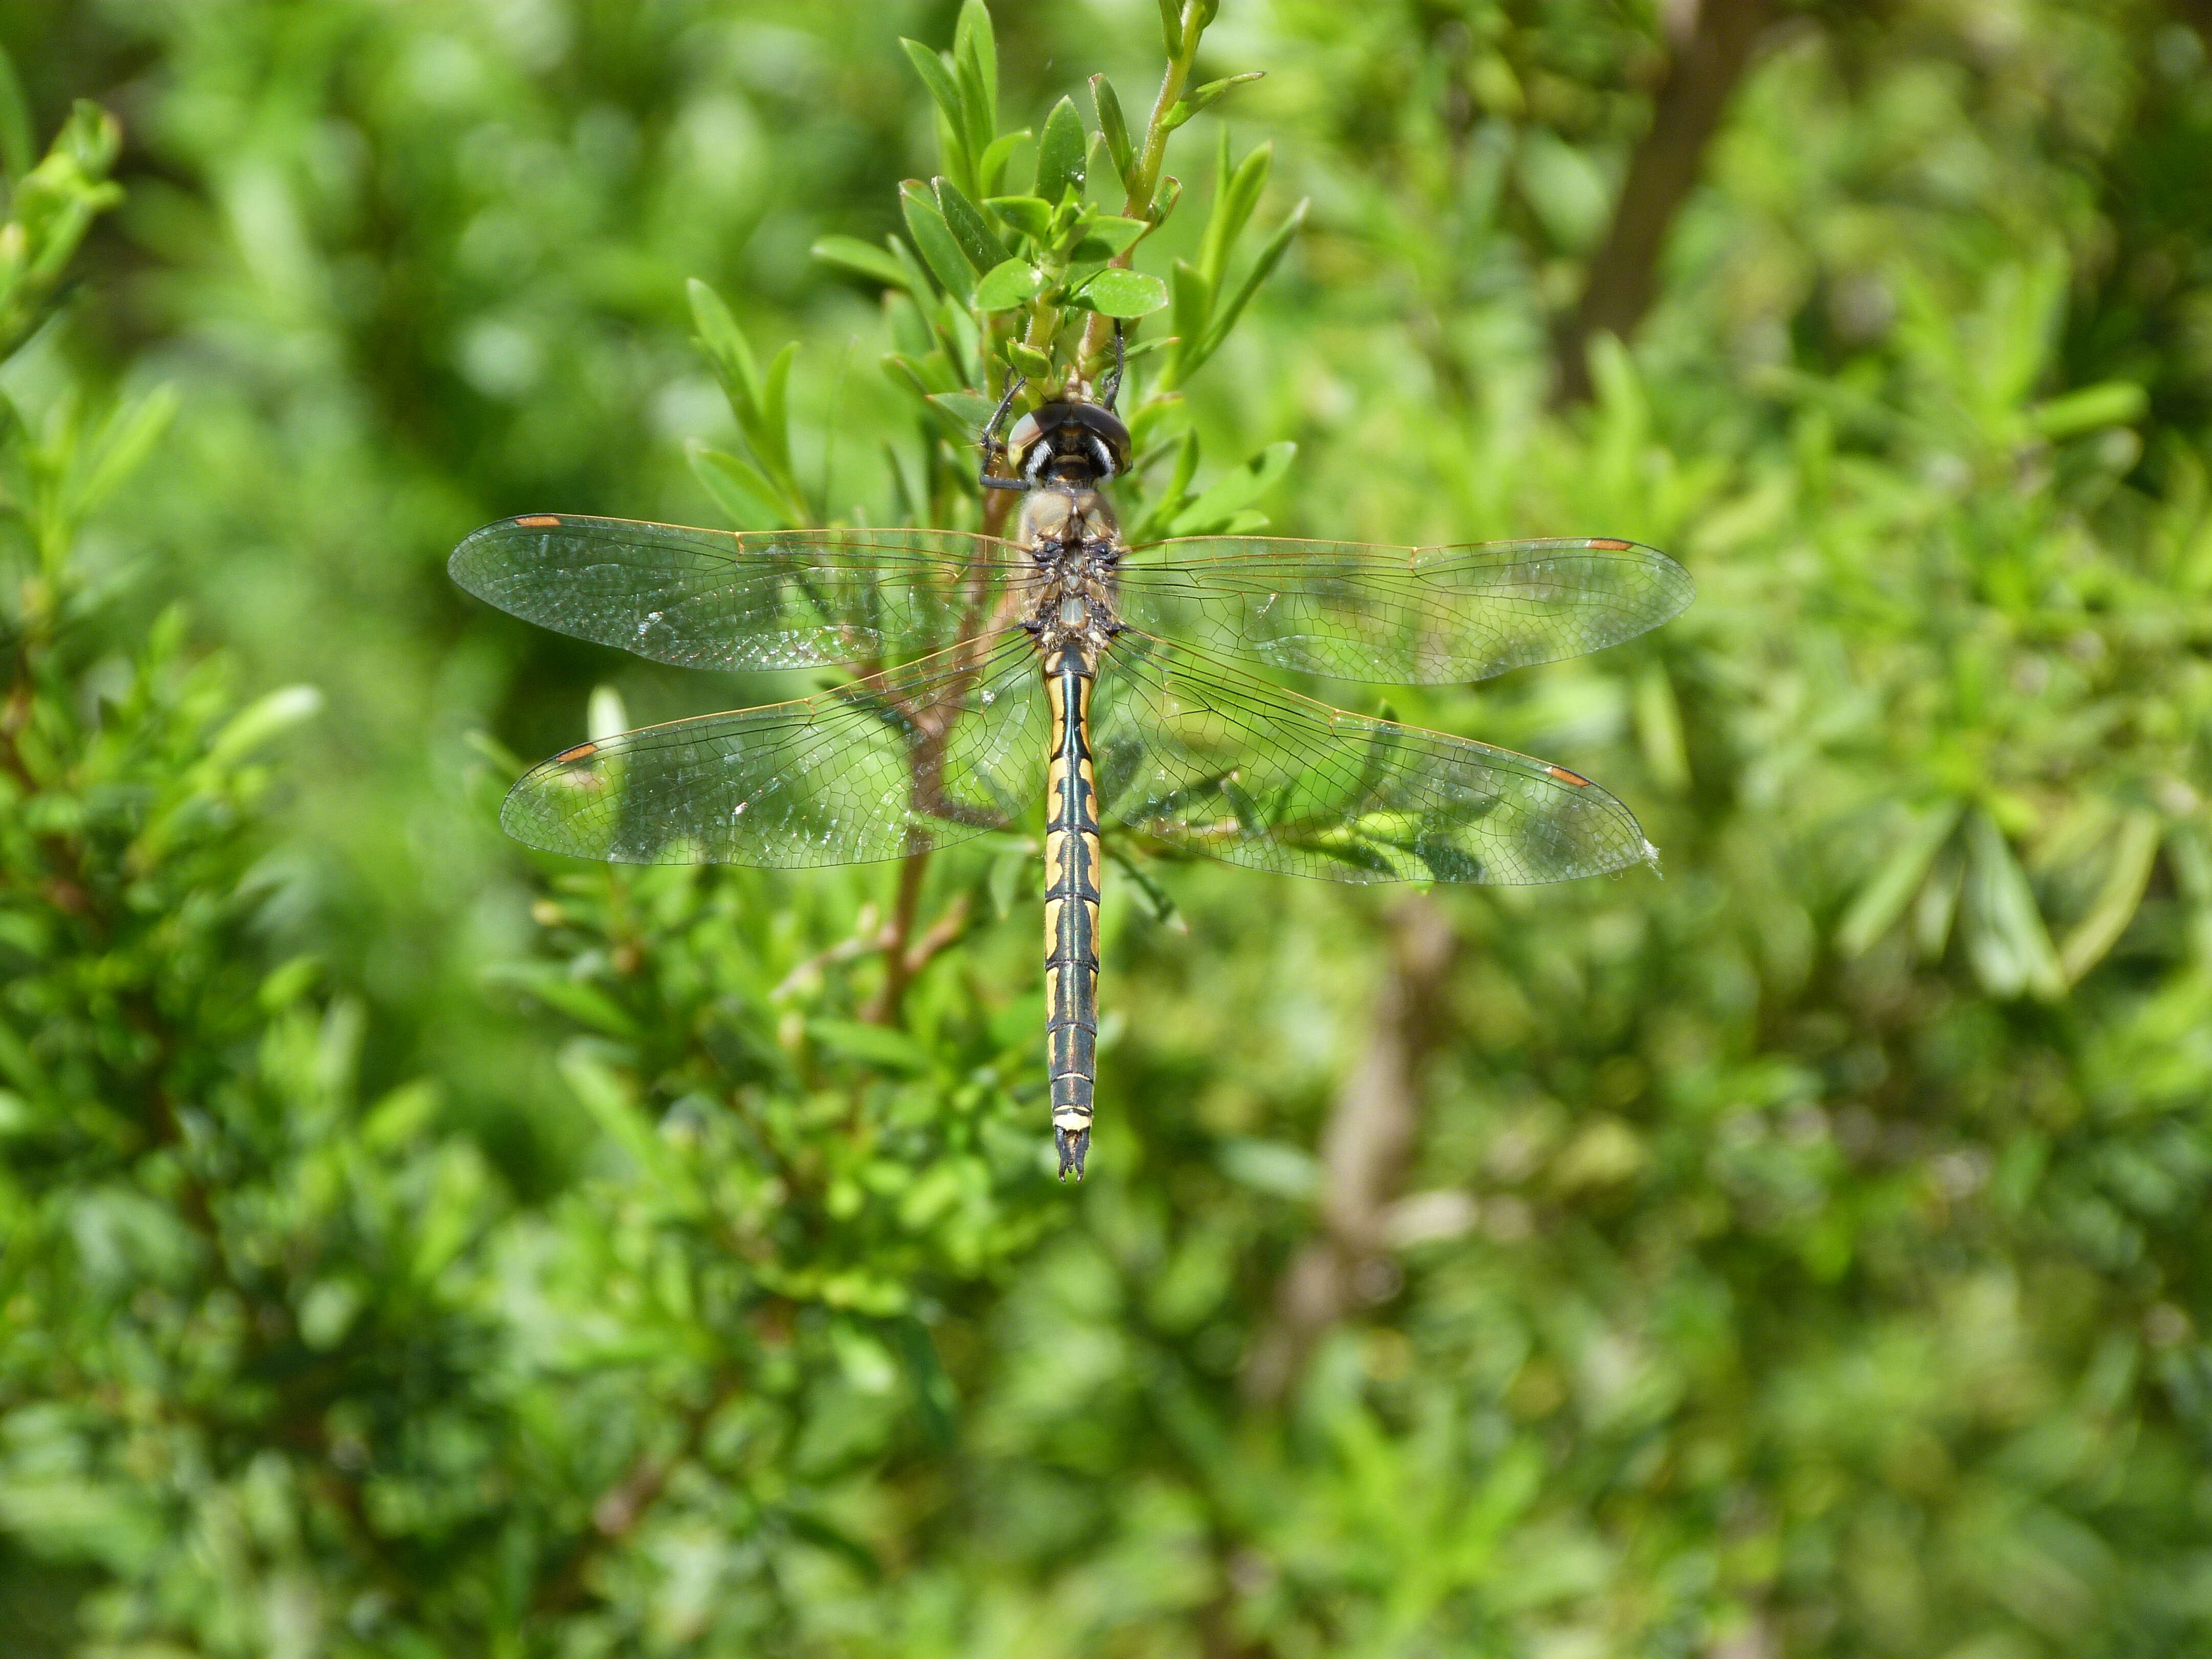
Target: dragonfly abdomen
<point>1071,910</point>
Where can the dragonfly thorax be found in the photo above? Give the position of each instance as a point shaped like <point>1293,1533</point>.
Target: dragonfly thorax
<point>1072,534</point>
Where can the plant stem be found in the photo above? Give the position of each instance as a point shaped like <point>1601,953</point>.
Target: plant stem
<point>1098,334</point>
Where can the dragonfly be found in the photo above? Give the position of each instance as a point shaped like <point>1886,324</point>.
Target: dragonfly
<point>978,665</point>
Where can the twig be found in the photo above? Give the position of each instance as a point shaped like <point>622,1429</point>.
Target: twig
<point>1624,272</point>
<point>1098,332</point>
<point>624,1506</point>
<point>1365,1150</point>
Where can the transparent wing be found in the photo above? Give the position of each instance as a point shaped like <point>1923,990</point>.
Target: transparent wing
<point>1400,614</point>
<point>924,756</point>
<point>1207,760</point>
<point>721,598</point>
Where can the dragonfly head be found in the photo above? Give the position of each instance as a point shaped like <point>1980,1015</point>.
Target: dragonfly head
<point>1076,443</point>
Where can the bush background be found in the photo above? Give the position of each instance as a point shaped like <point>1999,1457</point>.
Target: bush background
<point>411,1248</point>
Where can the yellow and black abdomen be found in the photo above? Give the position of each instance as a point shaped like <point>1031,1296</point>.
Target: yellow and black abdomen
<point>1070,909</point>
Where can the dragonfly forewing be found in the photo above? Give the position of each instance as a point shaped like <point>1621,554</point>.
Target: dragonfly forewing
<point>892,764</point>
<point>1400,614</point>
<point>1203,759</point>
<point>729,599</point>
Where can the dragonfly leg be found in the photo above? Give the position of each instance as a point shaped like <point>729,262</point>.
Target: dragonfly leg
<point>991,445</point>
<point>1112,388</point>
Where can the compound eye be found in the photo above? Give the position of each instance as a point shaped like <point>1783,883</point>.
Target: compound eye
<point>1024,435</point>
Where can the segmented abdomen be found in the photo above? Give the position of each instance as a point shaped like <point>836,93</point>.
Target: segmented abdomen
<point>1071,912</point>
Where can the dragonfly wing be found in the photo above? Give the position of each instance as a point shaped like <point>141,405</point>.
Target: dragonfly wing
<point>1401,615</point>
<point>729,599</point>
<point>1206,760</point>
<point>924,756</point>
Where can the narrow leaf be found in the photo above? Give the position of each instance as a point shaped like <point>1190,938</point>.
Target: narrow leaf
<point>2134,851</point>
<point>124,445</point>
<point>964,413</point>
<point>1234,491</point>
<point>264,719</point>
<point>1271,255</point>
<point>2006,939</point>
<point>1238,195</point>
<point>2114,403</point>
<point>1061,152</point>
<point>934,239</point>
<point>945,92</point>
<point>992,161</point>
<point>1194,304</point>
<point>862,258</point>
<point>725,347</point>
<point>1171,26</point>
<point>1115,130</point>
<point>1204,97</point>
<point>976,68</point>
<point>969,227</point>
<point>18,148</point>
<point>774,441</point>
<point>738,488</point>
<point>1883,899</point>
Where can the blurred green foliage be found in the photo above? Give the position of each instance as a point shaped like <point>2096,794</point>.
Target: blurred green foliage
<point>409,1247</point>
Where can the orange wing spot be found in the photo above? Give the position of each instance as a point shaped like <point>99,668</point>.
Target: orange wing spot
<point>1608,544</point>
<point>1566,776</point>
<point>542,521</point>
<point>584,751</point>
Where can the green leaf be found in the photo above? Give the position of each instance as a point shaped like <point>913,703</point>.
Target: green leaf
<point>1005,285</point>
<point>262,720</point>
<point>738,487</point>
<point>1194,312</point>
<point>1271,255</point>
<point>1124,294</point>
<point>1883,899</point>
<point>584,1003</point>
<point>945,91</point>
<point>1171,499</point>
<point>2006,940</point>
<point>772,443</point>
<point>2113,403</point>
<point>935,241</point>
<point>1061,152</point>
<point>975,66</point>
<point>2135,850</point>
<point>1164,199</point>
<point>1012,878</point>
<point>1107,235</point>
<point>1031,215</point>
<point>877,1046</point>
<point>18,150</point>
<point>1157,900</point>
<point>1204,97</point>
<point>863,258</point>
<point>969,228</point>
<point>122,448</point>
<point>964,413</point>
<point>1115,130</point>
<point>1171,26</point>
<point>1234,491</point>
<point>726,348</point>
<point>992,161</point>
<point>1273,1167</point>
<point>1237,192</point>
